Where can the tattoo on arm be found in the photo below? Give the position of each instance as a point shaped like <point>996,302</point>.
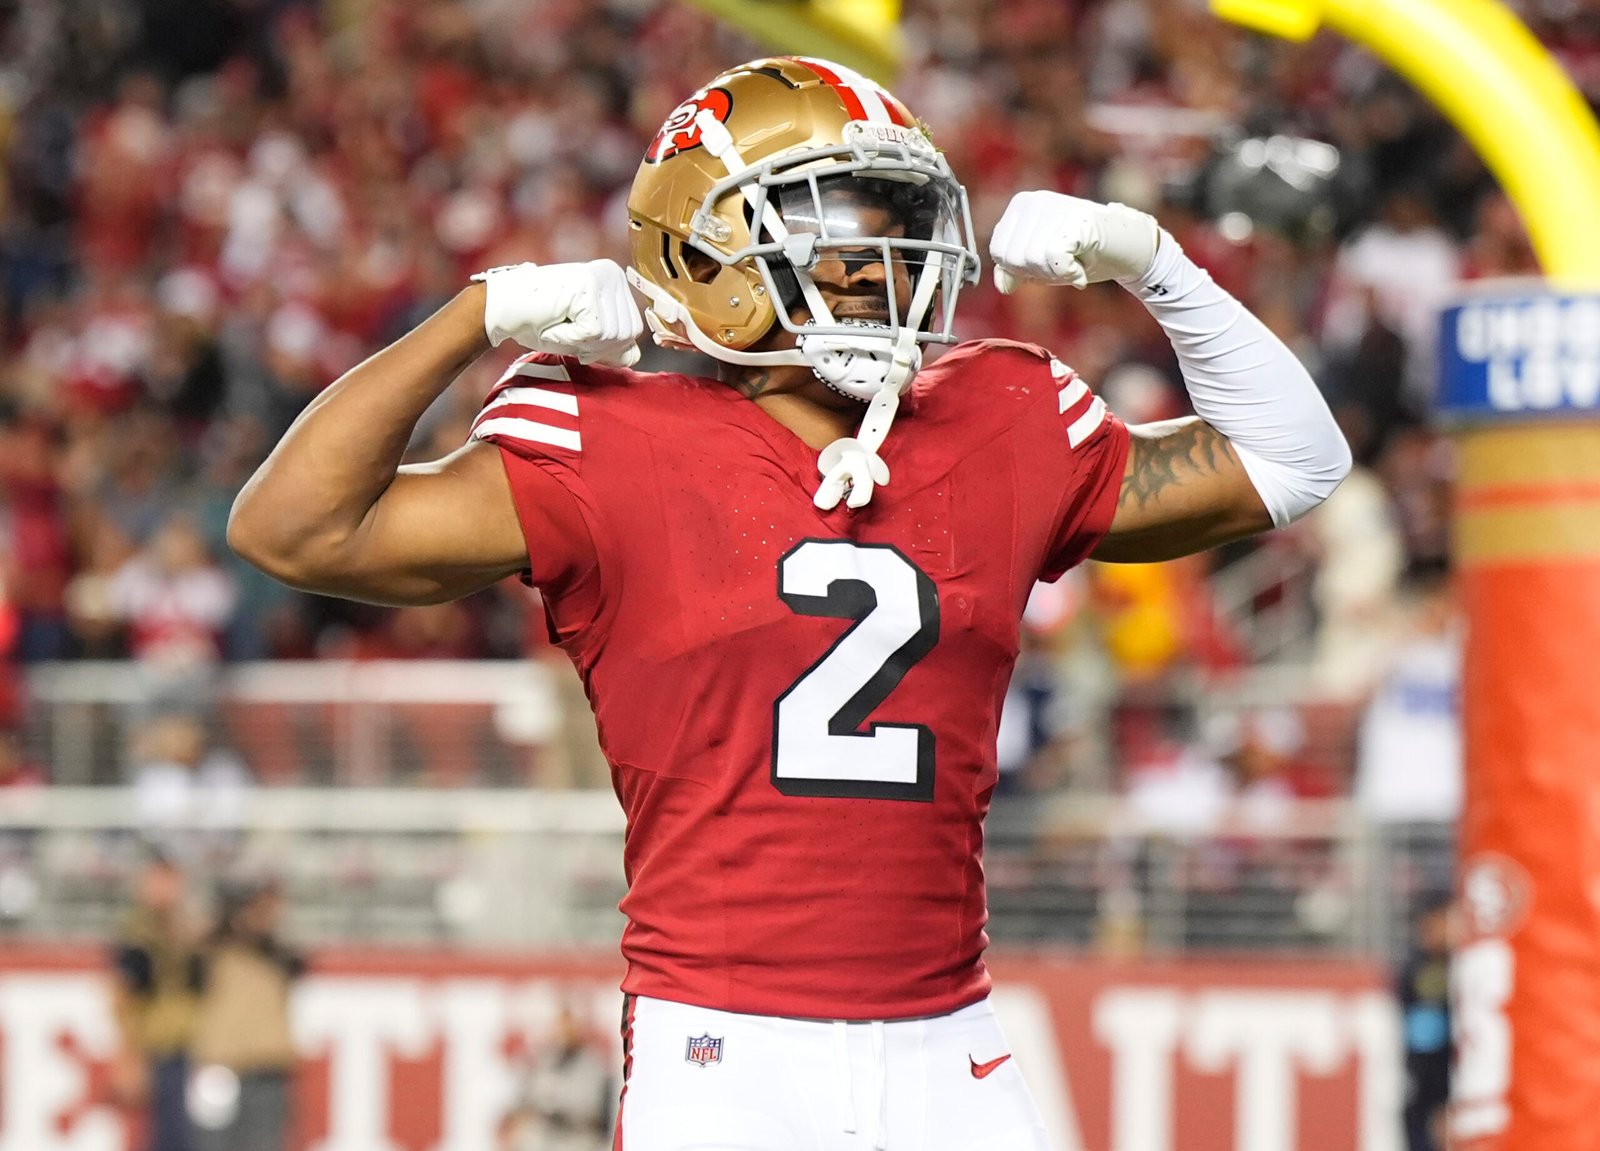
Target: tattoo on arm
<point>1192,450</point>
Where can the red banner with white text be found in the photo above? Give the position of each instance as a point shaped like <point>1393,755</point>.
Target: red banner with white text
<point>418,1052</point>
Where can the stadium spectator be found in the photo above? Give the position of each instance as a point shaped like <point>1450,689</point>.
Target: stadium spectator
<point>174,601</point>
<point>1408,764</point>
<point>1395,273</point>
<point>17,769</point>
<point>97,629</point>
<point>188,795</point>
<point>1031,715</point>
<point>36,559</point>
<point>1422,986</point>
<point>243,1052</point>
<point>156,979</point>
<point>10,680</point>
<point>1180,789</point>
<point>1418,468</point>
<point>1142,617</point>
<point>564,1097</point>
<point>1270,770</point>
<point>124,163</point>
<point>1360,559</point>
<point>1239,770</point>
<point>1498,245</point>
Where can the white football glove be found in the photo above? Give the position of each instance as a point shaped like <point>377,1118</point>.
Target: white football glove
<point>1058,239</point>
<point>583,310</point>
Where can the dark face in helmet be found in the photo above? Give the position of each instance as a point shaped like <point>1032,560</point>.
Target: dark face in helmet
<point>861,273</point>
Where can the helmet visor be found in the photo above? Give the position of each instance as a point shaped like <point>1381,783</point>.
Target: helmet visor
<point>866,220</point>
<point>839,209</point>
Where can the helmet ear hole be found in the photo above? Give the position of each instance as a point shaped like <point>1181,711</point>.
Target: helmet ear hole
<point>700,267</point>
<point>667,265</point>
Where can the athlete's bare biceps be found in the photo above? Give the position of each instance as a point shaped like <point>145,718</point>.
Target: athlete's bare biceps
<point>441,530</point>
<point>1183,491</point>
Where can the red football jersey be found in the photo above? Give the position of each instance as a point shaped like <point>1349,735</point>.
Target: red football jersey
<point>799,707</point>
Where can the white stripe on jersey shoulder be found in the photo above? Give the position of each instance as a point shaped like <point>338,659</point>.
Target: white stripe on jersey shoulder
<point>1073,393</point>
<point>535,370</point>
<point>517,428</point>
<point>534,397</point>
<point>1081,428</point>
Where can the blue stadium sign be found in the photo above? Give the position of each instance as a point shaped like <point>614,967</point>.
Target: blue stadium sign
<point>1524,352</point>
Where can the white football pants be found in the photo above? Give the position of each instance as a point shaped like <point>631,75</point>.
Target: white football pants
<point>703,1080</point>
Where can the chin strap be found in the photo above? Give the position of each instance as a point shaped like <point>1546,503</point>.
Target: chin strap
<point>851,467</point>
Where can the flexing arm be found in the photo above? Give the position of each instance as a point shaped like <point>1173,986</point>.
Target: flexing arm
<point>1264,448</point>
<point>332,510</point>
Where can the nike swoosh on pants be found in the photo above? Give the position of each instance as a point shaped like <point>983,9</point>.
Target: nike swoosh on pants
<point>981,1070</point>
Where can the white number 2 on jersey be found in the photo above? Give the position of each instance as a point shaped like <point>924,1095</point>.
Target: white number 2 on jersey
<point>818,745</point>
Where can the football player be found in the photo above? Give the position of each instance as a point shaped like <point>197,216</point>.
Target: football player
<point>793,593</point>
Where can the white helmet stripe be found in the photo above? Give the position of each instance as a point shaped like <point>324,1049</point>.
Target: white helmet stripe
<point>867,92</point>
<point>853,87</point>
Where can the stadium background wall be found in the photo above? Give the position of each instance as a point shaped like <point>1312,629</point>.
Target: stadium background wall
<point>416,1052</point>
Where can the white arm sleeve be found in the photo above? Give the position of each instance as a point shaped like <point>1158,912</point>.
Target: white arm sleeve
<point>1245,383</point>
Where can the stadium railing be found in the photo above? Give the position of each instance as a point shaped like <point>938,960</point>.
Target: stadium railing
<point>497,868</point>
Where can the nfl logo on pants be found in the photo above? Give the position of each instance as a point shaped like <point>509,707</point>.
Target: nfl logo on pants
<point>703,1050</point>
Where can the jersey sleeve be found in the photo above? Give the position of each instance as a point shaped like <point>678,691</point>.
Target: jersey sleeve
<point>533,416</point>
<point>1089,455</point>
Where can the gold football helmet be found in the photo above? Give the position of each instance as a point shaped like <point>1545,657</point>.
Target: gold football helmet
<point>772,166</point>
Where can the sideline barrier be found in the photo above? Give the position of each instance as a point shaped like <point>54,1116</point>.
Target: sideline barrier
<point>417,1051</point>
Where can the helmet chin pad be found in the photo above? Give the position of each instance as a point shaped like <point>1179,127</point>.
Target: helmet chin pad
<point>861,366</point>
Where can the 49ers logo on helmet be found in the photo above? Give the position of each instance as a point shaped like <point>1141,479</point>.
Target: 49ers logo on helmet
<point>680,132</point>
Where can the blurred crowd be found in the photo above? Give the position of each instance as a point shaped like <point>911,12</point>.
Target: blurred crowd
<point>211,208</point>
